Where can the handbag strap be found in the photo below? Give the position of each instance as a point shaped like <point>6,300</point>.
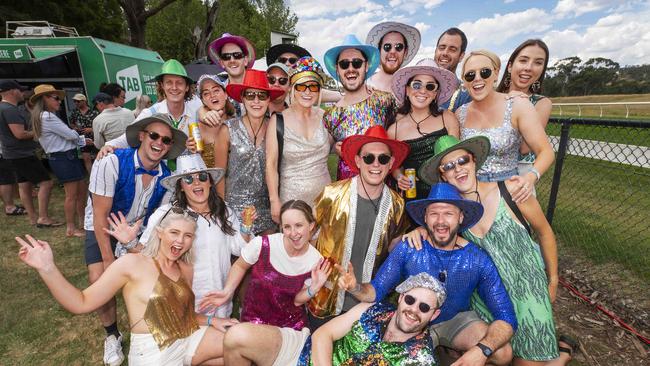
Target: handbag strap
<point>513,206</point>
<point>279,132</point>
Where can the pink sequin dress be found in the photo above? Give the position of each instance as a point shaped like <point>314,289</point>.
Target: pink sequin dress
<point>270,294</point>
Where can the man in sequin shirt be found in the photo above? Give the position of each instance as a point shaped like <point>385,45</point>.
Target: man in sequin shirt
<point>368,334</point>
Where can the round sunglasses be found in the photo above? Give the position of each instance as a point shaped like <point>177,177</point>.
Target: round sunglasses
<point>399,47</point>
<point>155,136</point>
<point>423,307</point>
<point>370,158</point>
<point>280,80</point>
<point>202,177</point>
<point>485,73</point>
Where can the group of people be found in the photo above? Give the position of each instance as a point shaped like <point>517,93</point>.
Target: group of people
<point>433,199</point>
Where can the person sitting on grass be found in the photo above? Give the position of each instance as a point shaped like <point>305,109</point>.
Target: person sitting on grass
<point>157,292</point>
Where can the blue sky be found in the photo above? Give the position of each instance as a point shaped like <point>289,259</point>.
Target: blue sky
<point>619,30</point>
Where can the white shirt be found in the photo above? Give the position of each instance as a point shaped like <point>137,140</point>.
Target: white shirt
<point>280,259</point>
<point>56,136</point>
<point>212,251</point>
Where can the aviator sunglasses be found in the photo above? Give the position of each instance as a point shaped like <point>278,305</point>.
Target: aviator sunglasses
<point>418,85</point>
<point>382,158</point>
<point>202,177</point>
<point>155,136</point>
<point>230,55</point>
<point>399,47</point>
<point>485,73</point>
<point>261,95</point>
<point>410,300</point>
<point>356,63</point>
<point>181,211</point>
<point>281,80</point>
<point>452,164</point>
<point>284,60</point>
<point>314,88</point>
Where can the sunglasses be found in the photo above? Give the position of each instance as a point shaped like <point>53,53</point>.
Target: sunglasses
<point>382,158</point>
<point>261,95</point>
<point>423,307</point>
<point>290,60</point>
<point>231,55</point>
<point>280,80</point>
<point>155,136</point>
<point>356,63</point>
<point>314,88</point>
<point>181,211</point>
<point>202,177</point>
<point>418,85</point>
<point>452,164</point>
<point>485,73</point>
<point>399,47</point>
<point>55,97</point>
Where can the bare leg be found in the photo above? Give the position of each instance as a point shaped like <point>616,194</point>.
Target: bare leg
<point>210,349</point>
<point>108,312</point>
<point>248,343</point>
<point>25,192</point>
<point>69,206</point>
<point>44,192</point>
<point>82,195</point>
<point>472,334</point>
<point>7,194</point>
<point>88,161</point>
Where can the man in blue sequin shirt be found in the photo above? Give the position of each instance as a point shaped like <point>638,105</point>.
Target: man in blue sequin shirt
<point>461,266</point>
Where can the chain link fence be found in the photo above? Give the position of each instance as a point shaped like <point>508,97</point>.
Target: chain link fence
<point>597,198</point>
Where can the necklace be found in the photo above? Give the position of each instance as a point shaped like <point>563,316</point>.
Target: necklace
<point>376,207</point>
<point>442,274</point>
<point>417,123</point>
<point>253,131</point>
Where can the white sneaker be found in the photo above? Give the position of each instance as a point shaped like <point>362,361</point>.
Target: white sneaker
<point>113,355</point>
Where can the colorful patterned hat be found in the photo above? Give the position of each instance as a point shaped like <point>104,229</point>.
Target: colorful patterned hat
<point>306,68</point>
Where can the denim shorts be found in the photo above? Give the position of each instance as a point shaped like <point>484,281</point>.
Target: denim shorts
<point>66,166</point>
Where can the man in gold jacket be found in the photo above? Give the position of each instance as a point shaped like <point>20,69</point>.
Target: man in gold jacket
<point>360,218</point>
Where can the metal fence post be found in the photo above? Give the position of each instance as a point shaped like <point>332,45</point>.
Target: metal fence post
<point>557,172</point>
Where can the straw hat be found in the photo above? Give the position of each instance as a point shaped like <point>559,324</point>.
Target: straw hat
<point>43,89</point>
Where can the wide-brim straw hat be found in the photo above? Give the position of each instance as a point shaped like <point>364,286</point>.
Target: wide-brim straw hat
<point>274,52</point>
<point>133,131</point>
<point>479,146</point>
<point>353,144</point>
<point>44,89</point>
<point>447,81</point>
<point>214,49</point>
<point>191,164</point>
<point>411,34</point>
<point>253,79</point>
<point>446,193</point>
<point>352,42</point>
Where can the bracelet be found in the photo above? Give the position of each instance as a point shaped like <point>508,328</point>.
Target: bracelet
<point>309,293</point>
<point>356,288</point>
<point>536,172</point>
<point>210,319</point>
<point>246,230</point>
<point>131,244</point>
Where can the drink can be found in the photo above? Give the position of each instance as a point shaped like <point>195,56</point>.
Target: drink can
<point>195,132</point>
<point>411,192</point>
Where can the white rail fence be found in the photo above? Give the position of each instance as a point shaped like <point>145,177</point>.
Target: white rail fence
<point>600,105</point>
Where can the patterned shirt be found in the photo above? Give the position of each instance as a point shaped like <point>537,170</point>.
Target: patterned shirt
<point>80,121</point>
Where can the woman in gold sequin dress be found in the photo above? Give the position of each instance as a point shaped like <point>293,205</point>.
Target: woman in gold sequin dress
<point>156,285</point>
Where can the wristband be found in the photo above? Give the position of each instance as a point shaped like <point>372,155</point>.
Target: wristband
<point>210,319</point>
<point>246,230</point>
<point>309,293</point>
<point>536,172</point>
<point>356,288</point>
<point>131,244</point>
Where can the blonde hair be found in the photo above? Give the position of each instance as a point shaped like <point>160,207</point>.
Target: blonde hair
<point>37,116</point>
<point>141,103</point>
<point>152,247</point>
<point>494,59</point>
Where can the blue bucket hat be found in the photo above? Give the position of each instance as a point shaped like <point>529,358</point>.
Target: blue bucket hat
<point>351,41</point>
<point>446,193</point>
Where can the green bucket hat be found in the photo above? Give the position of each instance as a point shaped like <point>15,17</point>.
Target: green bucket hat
<point>479,146</point>
<point>173,67</point>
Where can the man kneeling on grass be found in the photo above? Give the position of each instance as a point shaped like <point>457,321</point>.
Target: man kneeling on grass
<point>368,333</point>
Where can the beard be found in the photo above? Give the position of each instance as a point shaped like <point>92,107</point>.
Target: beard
<point>453,234</point>
<point>390,70</point>
<point>413,329</point>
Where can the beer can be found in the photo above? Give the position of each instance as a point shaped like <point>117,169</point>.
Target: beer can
<point>195,132</point>
<point>411,192</point>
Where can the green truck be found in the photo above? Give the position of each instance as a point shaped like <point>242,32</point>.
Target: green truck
<point>43,53</point>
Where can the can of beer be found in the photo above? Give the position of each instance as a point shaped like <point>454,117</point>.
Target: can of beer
<point>195,132</point>
<point>411,192</point>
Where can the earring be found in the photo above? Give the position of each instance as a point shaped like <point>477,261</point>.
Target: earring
<point>536,87</point>
<point>506,81</point>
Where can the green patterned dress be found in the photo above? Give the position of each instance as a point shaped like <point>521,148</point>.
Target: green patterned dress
<point>521,267</point>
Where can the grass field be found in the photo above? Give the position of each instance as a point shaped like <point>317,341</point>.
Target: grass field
<point>636,112</point>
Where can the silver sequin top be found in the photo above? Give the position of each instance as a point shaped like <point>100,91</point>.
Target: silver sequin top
<point>504,141</point>
<point>245,176</point>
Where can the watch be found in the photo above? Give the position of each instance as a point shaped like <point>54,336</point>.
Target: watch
<point>487,351</point>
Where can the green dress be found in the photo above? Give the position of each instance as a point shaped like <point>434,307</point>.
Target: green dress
<point>521,267</point>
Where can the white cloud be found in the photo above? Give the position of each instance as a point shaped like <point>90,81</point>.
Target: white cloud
<point>576,8</point>
<point>508,1</point>
<point>488,32</point>
<point>422,27</point>
<point>320,8</point>
<point>413,6</point>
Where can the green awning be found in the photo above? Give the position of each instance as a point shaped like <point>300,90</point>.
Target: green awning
<point>42,53</point>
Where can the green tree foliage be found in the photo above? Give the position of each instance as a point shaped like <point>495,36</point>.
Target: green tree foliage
<point>170,32</point>
<point>97,18</point>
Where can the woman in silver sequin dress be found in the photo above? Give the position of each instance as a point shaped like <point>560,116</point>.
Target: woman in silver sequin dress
<point>506,121</point>
<point>241,151</point>
<point>306,144</point>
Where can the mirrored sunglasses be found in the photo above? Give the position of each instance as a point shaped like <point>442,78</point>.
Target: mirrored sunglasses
<point>452,164</point>
<point>202,177</point>
<point>418,85</point>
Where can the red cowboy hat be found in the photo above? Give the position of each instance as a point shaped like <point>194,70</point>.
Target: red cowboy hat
<point>352,145</point>
<point>253,79</point>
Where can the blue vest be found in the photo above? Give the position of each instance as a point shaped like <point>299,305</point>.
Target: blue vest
<point>125,186</point>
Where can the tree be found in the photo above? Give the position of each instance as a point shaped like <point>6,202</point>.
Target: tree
<point>203,36</point>
<point>137,12</point>
<point>170,31</point>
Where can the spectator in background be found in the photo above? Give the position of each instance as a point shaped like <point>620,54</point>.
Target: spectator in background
<point>278,76</point>
<point>450,50</point>
<point>111,122</point>
<point>7,184</point>
<point>19,149</point>
<point>81,120</point>
<point>116,91</point>
<point>142,102</point>
<point>60,144</point>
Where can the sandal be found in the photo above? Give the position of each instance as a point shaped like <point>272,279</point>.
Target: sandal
<point>49,224</point>
<point>17,211</point>
<point>573,344</point>
<point>76,234</point>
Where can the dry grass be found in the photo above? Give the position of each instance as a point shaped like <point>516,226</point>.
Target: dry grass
<point>636,112</point>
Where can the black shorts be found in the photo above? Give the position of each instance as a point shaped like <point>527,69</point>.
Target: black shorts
<point>66,166</point>
<point>7,173</point>
<point>92,253</point>
<point>29,169</point>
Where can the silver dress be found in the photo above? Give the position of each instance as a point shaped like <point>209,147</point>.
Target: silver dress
<point>501,163</point>
<point>303,168</point>
<point>245,176</point>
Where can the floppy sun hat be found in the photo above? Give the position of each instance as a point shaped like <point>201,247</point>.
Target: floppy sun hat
<point>43,89</point>
<point>351,41</point>
<point>133,131</point>
<point>446,193</point>
<point>274,52</point>
<point>446,80</point>
<point>214,49</point>
<point>479,146</point>
<point>253,79</point>
<point>190,164</point>
<point>411,34</point>
<point>353,144</point>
